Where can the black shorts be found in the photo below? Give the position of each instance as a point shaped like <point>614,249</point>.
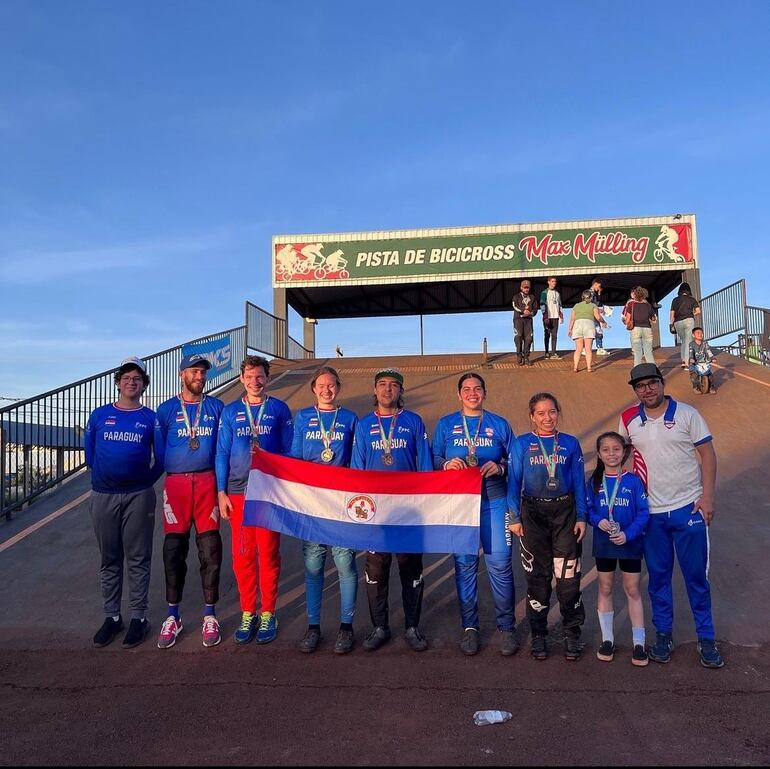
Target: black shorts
<point>627,565</point>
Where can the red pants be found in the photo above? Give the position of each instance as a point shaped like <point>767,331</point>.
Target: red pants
<point>251,546</point>
<point>190,498</point>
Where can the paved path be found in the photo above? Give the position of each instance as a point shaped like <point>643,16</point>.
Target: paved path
<point>63,702</point>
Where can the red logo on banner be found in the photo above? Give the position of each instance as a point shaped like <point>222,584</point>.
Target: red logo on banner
<point>307,261</point>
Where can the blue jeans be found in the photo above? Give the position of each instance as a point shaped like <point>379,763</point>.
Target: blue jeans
<point>315,560</point>
<point>641,345</point>
<point>683,532</point>
<point>684,332</point>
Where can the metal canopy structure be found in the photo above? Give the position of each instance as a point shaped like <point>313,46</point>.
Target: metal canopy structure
<point>478,269</point>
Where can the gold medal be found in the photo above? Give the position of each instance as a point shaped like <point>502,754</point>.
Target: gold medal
<point>471,460</point>
<point>327,455</point>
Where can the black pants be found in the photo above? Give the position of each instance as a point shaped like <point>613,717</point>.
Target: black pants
<point>378,577</point>
<point>523,328</point>
<point>175,549</point>
<point>550,549</point>
<point>550,330</point>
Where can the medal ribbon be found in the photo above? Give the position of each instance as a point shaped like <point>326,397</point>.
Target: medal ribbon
<point>550,459</point>
<point>253,426</point>
<point>325,434</point>
<point>610,499</point>
<point>192,429</point>
<point>472,445</point>
<point>387,441</point>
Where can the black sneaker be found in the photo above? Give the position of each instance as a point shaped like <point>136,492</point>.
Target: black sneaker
<point>310,641</point>
<point>416,640</point>
<point>375,639</point>
<point>709,654</point>
<point>108,631</point>
<point>538,648</point>
<point>639,656</point>
<point>661,650</point>
<point>508,643</point>
<point>606,651</point>
<point>469,643</point>
<point>136,633</point>
<point>344,642</point>
<point>573,648</point>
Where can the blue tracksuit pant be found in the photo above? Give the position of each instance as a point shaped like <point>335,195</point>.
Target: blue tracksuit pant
<point>496,544</point>
<point>684,533</point>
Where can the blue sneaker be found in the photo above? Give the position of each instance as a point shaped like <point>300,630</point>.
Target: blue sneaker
<point>661,651</point>
<point>248,629</point>
<point>268,627</point>
<point>709,654</point>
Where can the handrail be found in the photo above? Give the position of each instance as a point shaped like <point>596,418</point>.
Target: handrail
<point>41,438</point>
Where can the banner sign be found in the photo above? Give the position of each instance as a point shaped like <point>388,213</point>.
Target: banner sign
<point>218,352</point>
<point>471,255</point>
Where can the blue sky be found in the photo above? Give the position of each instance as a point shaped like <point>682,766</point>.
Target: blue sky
<point>149,151</point>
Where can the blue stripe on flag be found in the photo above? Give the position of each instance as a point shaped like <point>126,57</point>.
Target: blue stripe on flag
<point>362,536</point>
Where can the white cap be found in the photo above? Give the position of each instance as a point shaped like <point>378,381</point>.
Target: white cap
<point>134,361</point>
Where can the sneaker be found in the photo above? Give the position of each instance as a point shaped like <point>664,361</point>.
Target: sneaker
<point>508,643</point>
<point>210,631</point>
<point>554,356</point>
<point>573,648</point>
<point>709,654</point>
<point>108,631</point>
<point>469,643</point>
<point>661,651</point>
<point>268,627</point>
<point>345,642</point>
<point>416,640</point>
<point>169,630</point>
<point>248,629</point>
<point>375,639</point>
<point>136,633</point>
<point>639,656</point>
<point>602,351</point>
<point>583,353</point>
<point>310,641</point>
<point>606,651</point>
<point>538,648</point>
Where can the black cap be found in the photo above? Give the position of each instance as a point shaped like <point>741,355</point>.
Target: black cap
<point>644,371</point>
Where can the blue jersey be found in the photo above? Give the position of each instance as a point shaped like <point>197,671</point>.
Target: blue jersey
<point>529,472</point>
<point>119,447</point>
<point>308,437</point>
<point>492,444</point>
<point>172,437</point>
<point>410,448</point>
<point>233,461</point>
<point>630,510</point>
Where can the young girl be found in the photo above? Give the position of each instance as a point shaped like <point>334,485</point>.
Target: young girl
<point>618,509</point>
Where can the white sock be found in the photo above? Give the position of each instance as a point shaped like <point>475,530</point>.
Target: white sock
<point>638,635</point>
<point>606,621</point>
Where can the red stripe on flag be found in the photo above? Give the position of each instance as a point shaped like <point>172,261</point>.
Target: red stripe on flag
<point>371,481</point>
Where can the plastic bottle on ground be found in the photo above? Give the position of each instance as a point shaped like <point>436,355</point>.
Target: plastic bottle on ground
<point>481,717</point>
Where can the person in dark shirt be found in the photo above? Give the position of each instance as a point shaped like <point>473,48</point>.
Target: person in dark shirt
<point>684,311</point>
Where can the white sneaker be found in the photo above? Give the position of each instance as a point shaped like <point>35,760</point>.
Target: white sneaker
<point>602,351</point>
<point>583,353</point>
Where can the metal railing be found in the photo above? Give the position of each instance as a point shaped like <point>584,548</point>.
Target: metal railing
<point>725,312</point>
<point>266,333</point>
<point>41,438</point>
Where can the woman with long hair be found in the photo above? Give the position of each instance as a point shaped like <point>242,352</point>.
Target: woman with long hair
<point>546,500</point>
<point>638,316</point>
<point>474,437</point>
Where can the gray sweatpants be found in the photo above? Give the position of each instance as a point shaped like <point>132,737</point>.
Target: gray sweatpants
<point>123,524</point>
